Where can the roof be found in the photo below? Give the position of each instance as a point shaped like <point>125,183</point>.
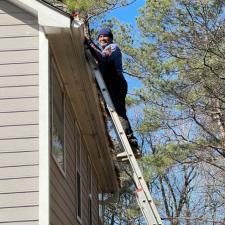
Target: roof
<point>57,5</point>
<point>66,42</point>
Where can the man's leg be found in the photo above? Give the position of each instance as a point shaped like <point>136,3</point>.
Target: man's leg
<point>118,100</point>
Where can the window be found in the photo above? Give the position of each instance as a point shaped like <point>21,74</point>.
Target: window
<point>57,117</point>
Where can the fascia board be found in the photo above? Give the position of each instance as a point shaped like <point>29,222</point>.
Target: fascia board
<point>46,15</point>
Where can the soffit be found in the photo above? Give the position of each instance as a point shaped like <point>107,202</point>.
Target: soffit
<point>68,49</point>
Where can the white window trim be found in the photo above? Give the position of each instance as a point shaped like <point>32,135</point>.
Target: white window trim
<point>44,134</point>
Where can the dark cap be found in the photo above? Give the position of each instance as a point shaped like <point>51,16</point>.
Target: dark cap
<point>106,32</point>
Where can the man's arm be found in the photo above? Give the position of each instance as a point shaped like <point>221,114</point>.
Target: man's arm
<point>108,54</point>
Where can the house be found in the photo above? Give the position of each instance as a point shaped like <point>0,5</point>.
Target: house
<point>55,160</point>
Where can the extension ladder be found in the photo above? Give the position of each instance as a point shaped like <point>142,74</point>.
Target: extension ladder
<point>143,196</point>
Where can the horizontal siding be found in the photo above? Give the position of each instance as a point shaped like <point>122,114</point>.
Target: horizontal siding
<point>18,43</point>
<point>23,223</point>
<point>59,182</point>
<point>18,159</point>
<point>62,188</point>
<point>19,69</point>
<point>12,57</point>
<point>28,131</point>
<point>19,92</point>
<point>19,185</point>
<point>60,206</point>
<point>16,18</point>
<point>19,105</point>
<point>63,199</point>
<point>19,145</point>
<point>18,199</point>
<point>55,218</point>
<point>22,30</point>
<point>19,214</point>
<point>24,171</point>
<point>19,119</point>
<point>85,192</point>
<point>14,81</point>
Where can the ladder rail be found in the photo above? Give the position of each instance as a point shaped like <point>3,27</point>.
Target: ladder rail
<point>143,196</point>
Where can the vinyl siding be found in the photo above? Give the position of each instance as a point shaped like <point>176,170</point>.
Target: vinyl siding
<point>18,116</point>
<point>63,187</point>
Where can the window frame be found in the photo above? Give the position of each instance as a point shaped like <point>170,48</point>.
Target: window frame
<point>54,71</point>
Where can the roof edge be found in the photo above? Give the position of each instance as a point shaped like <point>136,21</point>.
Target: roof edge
<point>54,7</point>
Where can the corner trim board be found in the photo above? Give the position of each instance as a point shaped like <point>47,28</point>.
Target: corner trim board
<point>44,142</point>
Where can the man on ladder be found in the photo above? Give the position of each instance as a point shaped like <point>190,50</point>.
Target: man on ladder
<point>109,58</point>
<point>110,75</point>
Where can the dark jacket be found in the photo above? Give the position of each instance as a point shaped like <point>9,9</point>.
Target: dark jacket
<point>110,63</point>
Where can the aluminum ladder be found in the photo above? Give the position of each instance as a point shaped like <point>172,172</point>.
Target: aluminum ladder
<point>142,193</point>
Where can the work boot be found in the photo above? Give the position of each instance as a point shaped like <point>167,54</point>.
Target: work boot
<point>134,146</point>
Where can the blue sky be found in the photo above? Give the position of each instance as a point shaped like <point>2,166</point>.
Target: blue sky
<point>128,15</point>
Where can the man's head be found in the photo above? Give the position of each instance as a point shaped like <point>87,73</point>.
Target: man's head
<point>105,36</point>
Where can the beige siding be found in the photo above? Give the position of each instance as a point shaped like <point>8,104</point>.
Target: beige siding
<point>18,159</point>
<point>22,30</point>
<point>19,69</point>
<point>19,145</point>
<point>23,223</point>
<point>19,92</point>
<point>18,43</point>
<point>18,116</point>
<point>84,179</point>
<point>18,185</point>
<point>25,171</point>
<point>19,56</point>
<point>95,207</point>
<point>63,186</point>
<point>18,105</point>
<point>19,213</point>
<point>19,199</point>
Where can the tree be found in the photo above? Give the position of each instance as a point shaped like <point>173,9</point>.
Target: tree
<point>89,9</point>
<point>180,59</point>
